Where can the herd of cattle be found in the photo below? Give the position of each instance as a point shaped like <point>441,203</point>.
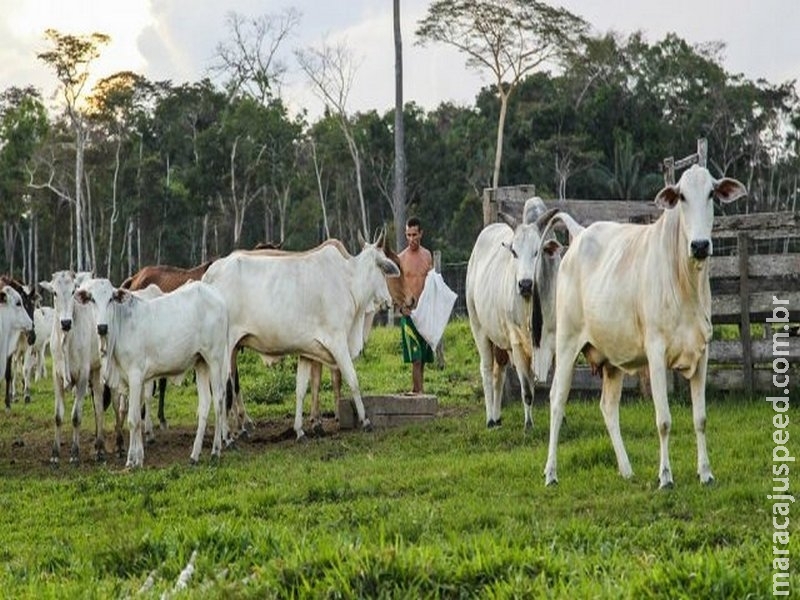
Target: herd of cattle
<point>625,296</point>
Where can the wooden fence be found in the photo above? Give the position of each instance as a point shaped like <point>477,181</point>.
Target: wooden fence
<point>756,260</point>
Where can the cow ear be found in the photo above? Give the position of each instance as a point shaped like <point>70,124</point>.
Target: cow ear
<point>45,285</point>
<point>727,190</point>
<point>3,296</point>
<point>552,248</point>
<point>668,197</point>
<point>389,268</point>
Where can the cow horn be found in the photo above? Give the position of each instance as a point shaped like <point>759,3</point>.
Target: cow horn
<point>508,219</point>
<point>545,217</point>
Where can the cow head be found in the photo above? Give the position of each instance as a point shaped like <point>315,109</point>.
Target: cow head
<point>693,196</point>
<point>526,249</point>
<point>101,294</point>
<point>29,299</point>
<point>379,269</point>
<point>13,313</point>
<point>62,286</point>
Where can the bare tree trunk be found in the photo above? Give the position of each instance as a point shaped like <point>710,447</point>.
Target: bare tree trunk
<point>204,239</point>
<point>78,195</point>
<point>399,198</point>
<point>318,174</point>
<point>113,218</point>
<point>501,122</point>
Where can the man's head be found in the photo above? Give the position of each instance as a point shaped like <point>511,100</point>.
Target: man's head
<point>413,233</point>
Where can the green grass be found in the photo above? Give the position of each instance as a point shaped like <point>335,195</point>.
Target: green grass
<point>446,509</point>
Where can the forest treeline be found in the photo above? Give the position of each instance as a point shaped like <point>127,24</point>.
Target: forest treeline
<point>178,173</point>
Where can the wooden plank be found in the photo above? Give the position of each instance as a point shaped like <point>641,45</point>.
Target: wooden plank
<point>760,305</point>
<point>389,410</point>
<point>762,351</point>
<point>775,224</point>
<point>760,265</point>
<point>732,380</point>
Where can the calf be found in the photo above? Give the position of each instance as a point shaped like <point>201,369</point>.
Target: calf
<point>76,364</point>
<point>14,321</point>
<point>163,337</point>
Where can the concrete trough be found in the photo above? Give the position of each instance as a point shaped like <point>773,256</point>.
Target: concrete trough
<point>389,410</point>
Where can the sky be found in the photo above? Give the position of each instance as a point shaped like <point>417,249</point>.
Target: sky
<point>177,40</point>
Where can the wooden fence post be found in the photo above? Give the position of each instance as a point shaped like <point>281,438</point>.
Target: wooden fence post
<point>744,323</point>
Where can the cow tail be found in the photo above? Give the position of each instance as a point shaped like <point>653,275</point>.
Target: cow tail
<point>536,318</point>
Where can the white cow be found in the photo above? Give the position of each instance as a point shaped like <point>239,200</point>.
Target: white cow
<point>633,295</point>
<point>311,304</point>
<point>33,363</point>
<point>163,337</point>
<point>76,363</point>
<point>14,321</point>
<point>510,295</point>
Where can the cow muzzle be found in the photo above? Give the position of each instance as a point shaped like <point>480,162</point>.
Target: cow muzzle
<point>700,249</point>
<point>102,329</point>
<point>66,324</point>
<point>525,287</point>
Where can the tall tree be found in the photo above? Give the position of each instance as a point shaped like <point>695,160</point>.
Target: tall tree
<point>399,197</point>
<point>249,59</point>
<point>510,38</point>
<point>70,59</point>
<point>23,124</point>
<point>331,70</point>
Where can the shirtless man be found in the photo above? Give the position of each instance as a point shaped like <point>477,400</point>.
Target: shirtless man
<point>415,261</point>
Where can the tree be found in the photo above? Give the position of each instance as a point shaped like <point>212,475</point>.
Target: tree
<point>249,58</point>
<point>23,125</point>
<point>399,196</point>
<point>331,70</point>
<point>70,58</point>
<point>510,38</point>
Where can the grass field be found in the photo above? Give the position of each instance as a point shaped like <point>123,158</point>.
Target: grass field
<point>446,509</point>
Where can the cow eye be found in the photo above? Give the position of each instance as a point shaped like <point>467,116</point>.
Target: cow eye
<point>681,197</point>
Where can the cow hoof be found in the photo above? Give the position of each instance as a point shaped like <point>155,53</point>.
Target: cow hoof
<point>301,437</point>
<point>667,485</point>
<point>193,462</point>
<point>100,456</point>
<point>708,482</point>
<point>318,430</point>
<point>163,426</point>
<point>366,425</point>
<point>551,482</point>
<point>491,423</point>
<point>27,398</point>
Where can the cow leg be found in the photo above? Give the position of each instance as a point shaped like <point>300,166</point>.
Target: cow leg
<point>316,379</point>
<point>217,376</point>
<point>58,395</point>
<point>120,412</point>
<point>28,367</point>
<point>566,351</point>
<point>658,384</point>
<point>101,396</point>
<point>348,371</point>
<point>162,390</point>
<point>77,417</point>
<point>9,384</point>
<point>149,431</point>
<point>489,377</point>
<point>304,372</point>
<point>202,378</point>
<point>697,386</point>
<point>525,384</point>
<point>135,444</point>
<point>336,384</point>
<point>609,406</point>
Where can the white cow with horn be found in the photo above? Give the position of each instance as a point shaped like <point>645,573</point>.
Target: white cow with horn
<point>510,294</point>
<point>311,304</point>
<point>634,295</point>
